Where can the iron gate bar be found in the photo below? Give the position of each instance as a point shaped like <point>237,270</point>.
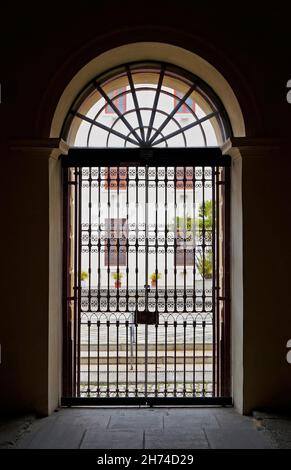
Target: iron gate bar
<point>146,276</point>
<point>184,235</point>
<point>78,225</point>
<point>127,241</point>
<point>203,238</point>
<point>217,277</point>
<point>147,401</point>
<point>90,157</point>
<point>215,265</point>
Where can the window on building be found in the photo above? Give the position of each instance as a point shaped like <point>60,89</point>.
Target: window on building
<point>119,102</point>
<point>184,109</point>
<point>185,241</point>
<point>116,178</point>
<point>116,238</point>
<point>184,177</point>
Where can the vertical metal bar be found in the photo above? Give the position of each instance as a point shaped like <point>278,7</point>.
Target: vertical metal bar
<point>76,294</point>
<point>175,358</point>
<point>156,359</point>
<point>99,239</point>
<point>108,358</point>
<point>90,237</point>
<point>109,230</point>
<point>89,273</point>
<point>118,239</point>
<point>166,239</point>
<point>89,357</point>
<point>98,358</point>
<point>194,358</point>
<point>146,272</point>
<point>203,358</point>
<point>136,241</point>
<point>146,361</point>
<point>194,238</point>
<point>218,287</point>
<point>203,239</point>
<point>166,358</point>
<point>215,273</point>
<point>185,236</point>
<point>127,237</point>
<point>146,216</point>
<point>132,339</point>
<point>175,239</point>
<point>136,359</point>
<point>126,358</point>
<point>184,358</point>
<point>79,264</point>
<point>156,241</point>
<point>117,358</point>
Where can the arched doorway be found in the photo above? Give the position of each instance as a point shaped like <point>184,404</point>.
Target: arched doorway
<point>146,240</point>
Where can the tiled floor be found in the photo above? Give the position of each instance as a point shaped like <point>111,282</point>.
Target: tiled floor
<point>145,428</point>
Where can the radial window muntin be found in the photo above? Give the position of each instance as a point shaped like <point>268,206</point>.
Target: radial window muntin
<point>150,122</point>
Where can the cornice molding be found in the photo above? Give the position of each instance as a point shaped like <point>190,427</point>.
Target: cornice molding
<point>48,148</point>
<point>241,147</point>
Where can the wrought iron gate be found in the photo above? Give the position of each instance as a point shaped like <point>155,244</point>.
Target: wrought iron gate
<point>146,277</point>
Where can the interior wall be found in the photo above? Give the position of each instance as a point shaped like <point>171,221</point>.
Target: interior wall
<point>24,300</point>
<point>29,373</point>
<point>267,257</point>
<point>55,312</point>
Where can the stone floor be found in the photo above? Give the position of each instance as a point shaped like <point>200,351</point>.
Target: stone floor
<point>278,426</point>
<point>139,428</point>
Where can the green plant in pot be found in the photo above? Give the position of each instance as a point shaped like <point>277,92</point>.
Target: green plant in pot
<point>84,276</point>
<point>204,267</point>
<point>154,276</point>
<point>117,278</point>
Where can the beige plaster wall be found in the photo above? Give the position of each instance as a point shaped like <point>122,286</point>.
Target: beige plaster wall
<point>267,258</point>
<point>24,299</point>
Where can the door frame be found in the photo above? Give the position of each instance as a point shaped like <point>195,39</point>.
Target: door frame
<point>206,157</point>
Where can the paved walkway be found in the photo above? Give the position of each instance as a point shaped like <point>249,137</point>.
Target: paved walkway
<point>143,428</point>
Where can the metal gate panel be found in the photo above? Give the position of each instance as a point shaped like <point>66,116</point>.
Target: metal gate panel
<point>147,290</point>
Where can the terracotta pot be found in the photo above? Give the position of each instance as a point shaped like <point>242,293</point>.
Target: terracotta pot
<point>154,284</point>
<point>117,284</point>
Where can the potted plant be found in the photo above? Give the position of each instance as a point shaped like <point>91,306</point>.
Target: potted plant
<point>204,268</point>
<point>84,277</point>
<point>117,278</point>
<point>154,276</point>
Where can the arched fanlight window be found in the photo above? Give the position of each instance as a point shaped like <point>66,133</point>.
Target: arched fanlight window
<point>146,104</point>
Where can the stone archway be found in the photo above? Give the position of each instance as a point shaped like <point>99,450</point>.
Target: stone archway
<point>193,63</point>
